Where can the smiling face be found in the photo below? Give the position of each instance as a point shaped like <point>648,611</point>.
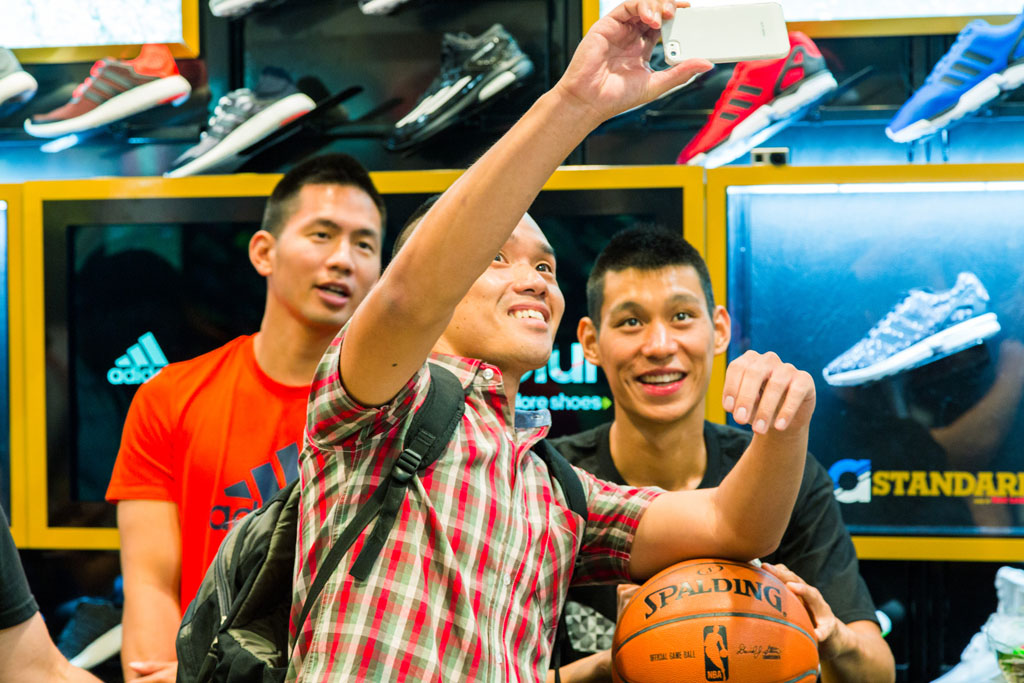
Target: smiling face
<point>657,341</point>
<point>511,313</point>
<point>324,259</point>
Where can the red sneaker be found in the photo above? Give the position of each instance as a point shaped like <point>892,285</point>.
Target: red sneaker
<point>115,90</point>
<point>761,98</point>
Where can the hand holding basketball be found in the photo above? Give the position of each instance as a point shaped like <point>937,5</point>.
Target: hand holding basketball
<point>762,391</point>
<point>827,628</point>
<point>714,620</point>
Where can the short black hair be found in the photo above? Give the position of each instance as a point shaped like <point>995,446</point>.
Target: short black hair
<point>328,169</point>
<point>410,223</point>
<point>644,248</point>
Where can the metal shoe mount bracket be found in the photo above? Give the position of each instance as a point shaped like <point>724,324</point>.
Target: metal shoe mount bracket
<point>924,145</point>
<point>314,130</point>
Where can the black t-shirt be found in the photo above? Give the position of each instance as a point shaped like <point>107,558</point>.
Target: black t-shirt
<point>815,545</point>
<point>16,601</point>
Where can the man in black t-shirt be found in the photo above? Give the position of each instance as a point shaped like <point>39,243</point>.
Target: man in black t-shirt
<point>654,330</point>
<point>26,651</point>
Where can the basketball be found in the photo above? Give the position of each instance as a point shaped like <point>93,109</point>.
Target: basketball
<point>714,620</point>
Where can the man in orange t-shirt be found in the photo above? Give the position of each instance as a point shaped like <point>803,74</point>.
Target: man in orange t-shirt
<point>208,440</point>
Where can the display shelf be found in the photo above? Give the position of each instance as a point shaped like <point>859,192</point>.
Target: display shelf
<point>64,222</point>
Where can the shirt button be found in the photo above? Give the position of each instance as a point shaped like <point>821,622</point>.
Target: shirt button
<point>507,580</point>
<point>488,374</point>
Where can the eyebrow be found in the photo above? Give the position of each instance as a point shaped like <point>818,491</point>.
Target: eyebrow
<point>635,306</point>
<point>358,232</point>
<point>544,246</point>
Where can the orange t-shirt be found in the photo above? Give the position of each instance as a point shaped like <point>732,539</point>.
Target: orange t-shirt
<point>218,437</point>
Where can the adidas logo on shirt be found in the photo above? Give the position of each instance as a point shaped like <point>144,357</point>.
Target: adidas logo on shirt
<point>140,363</point>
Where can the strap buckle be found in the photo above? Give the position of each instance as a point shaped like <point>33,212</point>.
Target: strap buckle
<point>406,465</point>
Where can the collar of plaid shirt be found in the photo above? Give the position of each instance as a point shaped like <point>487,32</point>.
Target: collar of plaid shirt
<point>471,581</point>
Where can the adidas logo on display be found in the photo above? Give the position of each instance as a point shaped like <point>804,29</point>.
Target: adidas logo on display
<point>140,363</point>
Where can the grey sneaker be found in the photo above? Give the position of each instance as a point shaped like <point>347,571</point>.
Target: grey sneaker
<point>242,118</point>
<point>922,328</point>
<point>16,84</point>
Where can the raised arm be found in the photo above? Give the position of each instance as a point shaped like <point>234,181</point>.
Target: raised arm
<point>746,515</point>
<point>395,328</point>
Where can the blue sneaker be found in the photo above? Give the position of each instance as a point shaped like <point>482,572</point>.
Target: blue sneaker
<point>984,62</point>
<point>922,328</point>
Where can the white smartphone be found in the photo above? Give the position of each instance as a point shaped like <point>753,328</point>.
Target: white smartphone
<point>726,33</point>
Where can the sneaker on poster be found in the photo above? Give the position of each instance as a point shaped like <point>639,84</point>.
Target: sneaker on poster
<point>16,84</point>
<point>380,6</point>
<point>924,327</point>
<point>761,98</point>
<point>113,91</point>
<point>242,118</point>
<point>984,62</point>
<point>473,71</point>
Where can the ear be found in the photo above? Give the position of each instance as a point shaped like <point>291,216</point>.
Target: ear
<point>261,252</point>
<point>586,332</point>
<point>723,329</point>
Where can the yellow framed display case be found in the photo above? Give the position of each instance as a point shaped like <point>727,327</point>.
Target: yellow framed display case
<point>809,259</point>
<point>186,47</point>
<point>61,219</point>
<point>850,28</point>
<point>16,504</point>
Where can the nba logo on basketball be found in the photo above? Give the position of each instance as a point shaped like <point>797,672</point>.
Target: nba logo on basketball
<point>716,654</point>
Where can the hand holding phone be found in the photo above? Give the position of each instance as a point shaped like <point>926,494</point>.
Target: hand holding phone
<point>726,33</point>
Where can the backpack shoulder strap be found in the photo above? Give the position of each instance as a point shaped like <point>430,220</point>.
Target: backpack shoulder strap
<point>429,432</point>
<point>566,476</point>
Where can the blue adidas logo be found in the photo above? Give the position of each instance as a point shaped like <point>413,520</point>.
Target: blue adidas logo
<point>223,516</point>
<point>141,362</point>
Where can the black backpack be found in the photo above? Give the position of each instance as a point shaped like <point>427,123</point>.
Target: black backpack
<point>236,628</point>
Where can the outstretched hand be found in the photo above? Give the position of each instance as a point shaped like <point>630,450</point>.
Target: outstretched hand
<point>762,391</point>
<point>610,71</point>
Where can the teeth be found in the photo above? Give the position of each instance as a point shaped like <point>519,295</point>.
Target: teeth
<point>527,313</point>
<point>662,379</point>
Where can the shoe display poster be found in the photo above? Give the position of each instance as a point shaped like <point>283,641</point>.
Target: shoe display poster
<point>832,10</point>
<point>74,23</point>
<point>130,289</point>
<point>905,302</point>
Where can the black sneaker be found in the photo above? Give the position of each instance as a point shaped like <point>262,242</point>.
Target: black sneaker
<point>473,71</point>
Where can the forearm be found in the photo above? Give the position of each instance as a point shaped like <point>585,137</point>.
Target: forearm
<point>30,655</point>
<point>596,668</point>
<point>471,221</point>
<point>753,503</point>
<point>151,566</point>
<point>456,241</point>
<point>149,625</point>
<point>863,657</point>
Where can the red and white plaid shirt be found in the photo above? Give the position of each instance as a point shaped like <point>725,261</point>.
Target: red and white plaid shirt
<point>471,581</point>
